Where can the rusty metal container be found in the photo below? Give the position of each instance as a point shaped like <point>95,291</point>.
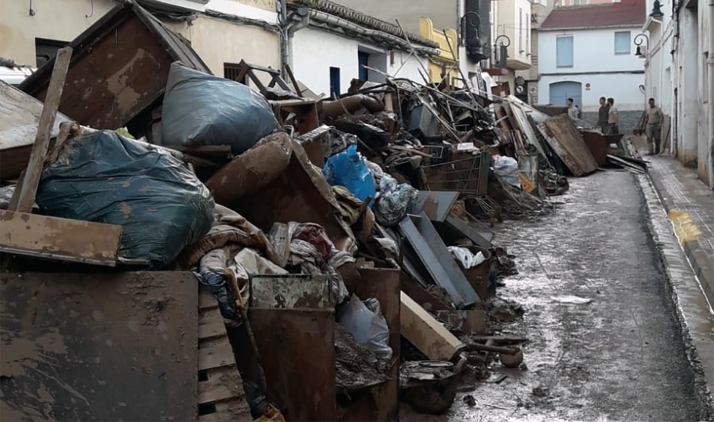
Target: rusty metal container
<point>598,144</point>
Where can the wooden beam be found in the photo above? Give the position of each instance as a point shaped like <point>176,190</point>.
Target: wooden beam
<point>44,130</point>
<point>59,238</point>
<point>426,333</point>
<point>293,80</point>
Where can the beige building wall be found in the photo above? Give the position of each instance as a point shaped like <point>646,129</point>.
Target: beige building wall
<point>60,20</point>
<point>217,41</point>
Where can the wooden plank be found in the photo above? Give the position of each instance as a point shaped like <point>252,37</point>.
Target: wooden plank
<point>59,238</point>
<point>206,301</point>
<point>221,396</point>
<point>289,71</point>
<point>222,384</point>
<point>44,131</point>
<point>567,142</point>
<point>19,117</point>
<point>210,324</point>
<point>229,411</point>
<point>210,152</point>
<point>414,290</point>
<point>426,333</point>
<point>215,354</point>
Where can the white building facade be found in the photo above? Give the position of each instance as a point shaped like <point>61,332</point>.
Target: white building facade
<point>333,44</point>
<point>679,75</point>
<point>512,28</point>
<point>587,52</point>
<point>444,15</point>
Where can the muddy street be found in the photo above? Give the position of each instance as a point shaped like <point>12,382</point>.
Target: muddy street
<point>619,357</point>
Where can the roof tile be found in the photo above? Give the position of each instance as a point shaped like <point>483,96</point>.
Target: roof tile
<point>624,13</point>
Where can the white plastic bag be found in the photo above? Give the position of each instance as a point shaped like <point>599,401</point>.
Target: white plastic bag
<point>365,322</point>
<point>506,168</point>
<point>466,257</point>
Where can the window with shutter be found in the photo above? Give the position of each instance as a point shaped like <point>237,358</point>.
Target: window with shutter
<point>564,51</point>
<point>622,42</point>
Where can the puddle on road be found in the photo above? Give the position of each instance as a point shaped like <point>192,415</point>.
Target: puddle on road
<point>599,361</point>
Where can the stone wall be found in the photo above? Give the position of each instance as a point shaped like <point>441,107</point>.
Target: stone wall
<point>628,119</point>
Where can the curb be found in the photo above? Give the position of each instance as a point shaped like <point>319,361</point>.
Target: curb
<point>691,309</point>
<point>693,250</point>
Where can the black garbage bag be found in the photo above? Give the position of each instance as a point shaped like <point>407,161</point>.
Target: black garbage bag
<point>106,178</point>
<point>201,109</point>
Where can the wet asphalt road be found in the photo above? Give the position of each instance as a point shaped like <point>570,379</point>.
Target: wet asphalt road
<point>620,357</point>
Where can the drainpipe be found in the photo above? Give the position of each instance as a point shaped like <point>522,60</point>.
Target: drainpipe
<point>711,94</point>
<point>288,29</point>
<point>284,43</point>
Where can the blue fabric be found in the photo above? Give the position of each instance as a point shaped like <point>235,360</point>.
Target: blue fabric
<point>347,169</point>
<point>217,284</point>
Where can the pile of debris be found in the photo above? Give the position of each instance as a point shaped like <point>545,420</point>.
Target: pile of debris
<point>338,244</point>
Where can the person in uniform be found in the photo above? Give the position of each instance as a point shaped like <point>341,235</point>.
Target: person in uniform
<point>602,115</point>
<point>653,126</point>
<point>613,118</point>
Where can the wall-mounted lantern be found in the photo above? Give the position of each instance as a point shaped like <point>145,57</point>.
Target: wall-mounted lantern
<point>656,12</point>
<point>500,49</point>
<point>639,39</point>
<point>470,31</point>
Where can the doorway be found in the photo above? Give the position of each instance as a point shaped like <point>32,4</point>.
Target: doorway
<point>561,91</point>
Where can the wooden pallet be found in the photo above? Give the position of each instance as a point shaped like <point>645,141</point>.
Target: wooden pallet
<point>221,397</point>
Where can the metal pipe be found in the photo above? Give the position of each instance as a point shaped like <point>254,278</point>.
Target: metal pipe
<point>495,349</point>
<point>283,12</point>
<point>371,33</point>
<point>289,28</point>
<point>284,43</point>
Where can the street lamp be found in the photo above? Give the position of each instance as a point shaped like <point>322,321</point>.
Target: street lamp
<point>501,50</point>
<point>471,39</point>
<point>465,20</point>
<point>639,39</point>
<point>656,12</point>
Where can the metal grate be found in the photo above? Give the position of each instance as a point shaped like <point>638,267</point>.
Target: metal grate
<point>465,175</point>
